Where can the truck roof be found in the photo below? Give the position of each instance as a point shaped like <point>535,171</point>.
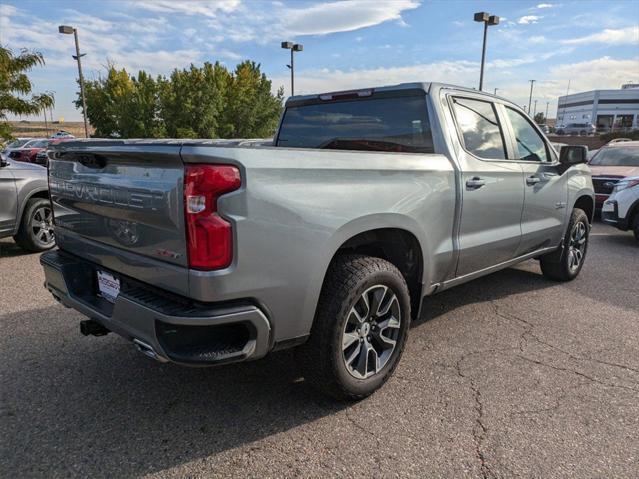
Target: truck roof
<point>426,86</point>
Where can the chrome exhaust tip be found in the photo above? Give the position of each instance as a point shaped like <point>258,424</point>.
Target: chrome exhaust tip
<point>148,350</point>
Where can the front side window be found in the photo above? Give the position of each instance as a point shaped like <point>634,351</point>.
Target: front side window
<point>398,124</point>
<point>481,132</point>
<point>530,144</point>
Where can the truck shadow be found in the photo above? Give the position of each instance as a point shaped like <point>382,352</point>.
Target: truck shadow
<point>75,406</point>
<point>495,286</point>
<point>83,406</point>
<point>9,249</point>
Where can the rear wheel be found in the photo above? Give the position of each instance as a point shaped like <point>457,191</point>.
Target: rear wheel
<point>36,228</point>
<point>360,327</point>
<point>635,227</point>
<point>566,263</point>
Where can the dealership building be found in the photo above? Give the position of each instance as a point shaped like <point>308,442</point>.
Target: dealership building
<point>606,109</point>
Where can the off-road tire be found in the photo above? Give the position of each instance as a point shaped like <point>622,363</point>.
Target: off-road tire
<point>26,237</point>
<point>556,265</point>
<point>321,358</point>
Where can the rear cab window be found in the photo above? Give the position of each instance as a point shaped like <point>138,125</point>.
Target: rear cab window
<point>386,121</point>
<point>479,128</point>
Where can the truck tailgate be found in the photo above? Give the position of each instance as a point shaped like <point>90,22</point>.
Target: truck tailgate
<point>120,198</point>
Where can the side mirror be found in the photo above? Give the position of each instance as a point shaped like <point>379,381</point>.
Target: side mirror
<point>570,155</point>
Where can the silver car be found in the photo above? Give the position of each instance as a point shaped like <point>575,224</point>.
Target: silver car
<point>25,210</point>
<point>581,129</point>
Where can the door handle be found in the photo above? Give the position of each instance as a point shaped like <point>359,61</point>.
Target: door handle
<point>475,182</point>
<point>532,180</point>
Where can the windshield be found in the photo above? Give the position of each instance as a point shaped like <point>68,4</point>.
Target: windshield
<point>36,144</point>
<point>617,156</point>
<point>16,143</point>
<point>398,124</point>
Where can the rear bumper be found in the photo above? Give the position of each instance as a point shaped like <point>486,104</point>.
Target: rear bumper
<point>162,325</point>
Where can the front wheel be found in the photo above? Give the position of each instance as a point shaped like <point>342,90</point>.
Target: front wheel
<point>635,228</point>
<point>360,327</point>
<point>566,263</point>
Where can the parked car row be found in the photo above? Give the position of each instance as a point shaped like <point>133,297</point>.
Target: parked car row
<point>615,177</point>
<point>33,150</point>
<point>581,129</point>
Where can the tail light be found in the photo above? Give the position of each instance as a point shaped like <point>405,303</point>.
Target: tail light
<point>209,236</point>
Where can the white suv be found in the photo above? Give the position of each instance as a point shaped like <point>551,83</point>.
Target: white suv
<point>621,209</point>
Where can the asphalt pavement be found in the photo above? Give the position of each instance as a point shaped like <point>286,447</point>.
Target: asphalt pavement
<point>511,375</point>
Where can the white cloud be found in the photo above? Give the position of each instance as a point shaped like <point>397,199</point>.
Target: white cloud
<point>248,23</point>
<point>629,35</point>
<point>600,73</point>
<point>161,61</point>
<point>528,19</point>
<point>545,5</point>
<point>343,16</point>
<point>8,10</point>
<point>537,39</point>
<point>206,8</point>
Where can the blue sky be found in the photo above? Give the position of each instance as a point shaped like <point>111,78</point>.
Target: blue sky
<point>347,44</point>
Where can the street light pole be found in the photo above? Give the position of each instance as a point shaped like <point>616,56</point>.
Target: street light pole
<point>546,115</point>
<point>293,47</point>
<point>532,82</point>
<point>495,92</point>
<point>487,20</point>
<point>67,31</point>
<point>535,110</point>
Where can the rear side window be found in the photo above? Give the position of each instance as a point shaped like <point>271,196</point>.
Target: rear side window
<point>530,145</point>
<point>397,124</point>
<point>480,129</point>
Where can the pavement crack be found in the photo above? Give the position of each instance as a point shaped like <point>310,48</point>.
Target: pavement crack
<point>479,430</point>
<point>581,358</point>
<point>528,333</point>
<point>360,427</point>
<point>568,370</point>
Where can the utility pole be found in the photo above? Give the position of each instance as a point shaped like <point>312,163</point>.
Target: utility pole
<point>532,82</point>
<point>546,115</point>
<point>495,92</point>
<point>565,101</point>
<point>67,31</point>
<point>535,110</point>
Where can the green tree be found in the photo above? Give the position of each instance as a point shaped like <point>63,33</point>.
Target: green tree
<point>540,119</point>
<point>206,102</point>
<point>123,105</point>
<point>251,110</point>
<point>16,95</point>
<point>191,100</point>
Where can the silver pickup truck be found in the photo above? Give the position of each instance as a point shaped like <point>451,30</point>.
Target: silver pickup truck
<point>326,238</point>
